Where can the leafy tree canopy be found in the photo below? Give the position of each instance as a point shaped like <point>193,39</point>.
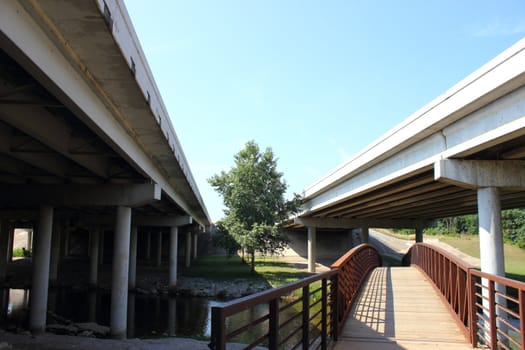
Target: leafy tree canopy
<point>253,193</point>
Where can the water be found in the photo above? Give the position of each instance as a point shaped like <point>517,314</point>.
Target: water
<point>148,316</point>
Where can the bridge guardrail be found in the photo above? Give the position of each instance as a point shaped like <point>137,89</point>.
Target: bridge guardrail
<point>353,268</point>
<point>490,309</point>
<point>302,314</point>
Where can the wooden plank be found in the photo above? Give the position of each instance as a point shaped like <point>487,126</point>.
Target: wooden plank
<point>399,309</point>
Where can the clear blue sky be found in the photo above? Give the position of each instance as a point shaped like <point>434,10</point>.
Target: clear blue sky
<point>316,81</point>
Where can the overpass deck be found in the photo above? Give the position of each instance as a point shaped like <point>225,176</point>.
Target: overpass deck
<point>399,309</point>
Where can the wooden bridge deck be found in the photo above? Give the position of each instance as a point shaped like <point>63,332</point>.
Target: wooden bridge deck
<point>399,309</point>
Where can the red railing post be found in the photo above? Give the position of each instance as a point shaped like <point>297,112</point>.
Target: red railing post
<point>335,307</point>
<point>273,331</point>
<point>473,322</point>
<point>492,316</point>
<point>218,330</point>
<point>521,300</point>
<point>306,317</point>
<point>324,314</point>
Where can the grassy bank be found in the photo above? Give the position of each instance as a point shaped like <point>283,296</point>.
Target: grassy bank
<point>514,256</point>
<point>274,270</point>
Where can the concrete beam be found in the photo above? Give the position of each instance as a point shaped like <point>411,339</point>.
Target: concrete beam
<point>163,221</point>
<point>357,223</point>
<point>481,173</point>
<point>80,195</point>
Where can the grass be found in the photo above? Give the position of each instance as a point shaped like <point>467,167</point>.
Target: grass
<point>273,270</point>
<point>390,261</point>
<point>404,236</point>
<point>18,252</point>
<point>514,256</point>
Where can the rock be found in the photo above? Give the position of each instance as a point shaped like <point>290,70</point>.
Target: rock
<point>62,329</point>
<point>5,345</point>
<point>87,334</point>
<point>139,290</point>
<point>93,328</point>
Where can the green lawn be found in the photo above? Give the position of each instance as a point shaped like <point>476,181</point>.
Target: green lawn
<point>514,256</point>
<point>274,270</point>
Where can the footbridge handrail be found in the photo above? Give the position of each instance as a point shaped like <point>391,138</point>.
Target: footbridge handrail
<point>489,309</point>
<point>353,268</point>
<point>302,314</point>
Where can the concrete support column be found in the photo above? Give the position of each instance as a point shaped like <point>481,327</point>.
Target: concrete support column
<point>133,258</point>
<point>119,284</point>
<point>364,234</point>
<point>492,257</point>
<point>4,247</point>
<point>148,246</point>
<point>11,242</point>
<point>195,245</point>
<point>131,315</point>
<point>172,316</point>
<point>55,254</point>
<point>174,246</point>
<point>312,248</point>
<point>101,247</point>
<point>350,235</point>
<point>159,249</point>
<point>67,232</point>
<point>419,235</point>
<point>188,249</point>
<point>40,282</point>
<point>490,232</point>
<point>94,246</point>
<point>29,240</point>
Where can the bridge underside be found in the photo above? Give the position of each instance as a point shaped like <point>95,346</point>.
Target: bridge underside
<point>418,196</point>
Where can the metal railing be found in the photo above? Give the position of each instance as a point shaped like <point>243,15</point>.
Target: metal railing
<point>303,314</point>
<point>353,269</point>
<point>490,309</point>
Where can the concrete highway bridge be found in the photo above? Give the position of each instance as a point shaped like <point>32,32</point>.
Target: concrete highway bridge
<point>463,153</point>
<point>86,145</point>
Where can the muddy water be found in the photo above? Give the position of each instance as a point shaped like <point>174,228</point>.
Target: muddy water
<point>147,316</point>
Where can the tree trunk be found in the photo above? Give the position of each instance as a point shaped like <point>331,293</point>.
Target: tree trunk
<point>253,263</point>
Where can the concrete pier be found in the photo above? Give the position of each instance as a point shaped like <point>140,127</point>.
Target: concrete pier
<point>133,258</point>
<point>174,238</point>
<point>119,285</point>
<point>94,243</point>
<point>312,247</point>
<point>40,281</point>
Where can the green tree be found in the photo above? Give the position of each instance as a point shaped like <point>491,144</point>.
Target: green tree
<point>513,222</point>
<point>253,193</point>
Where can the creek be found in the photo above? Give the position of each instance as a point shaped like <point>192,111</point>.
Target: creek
<point>148,316</point>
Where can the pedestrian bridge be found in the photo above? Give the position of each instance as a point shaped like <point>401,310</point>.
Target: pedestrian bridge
<point>436,301</point>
